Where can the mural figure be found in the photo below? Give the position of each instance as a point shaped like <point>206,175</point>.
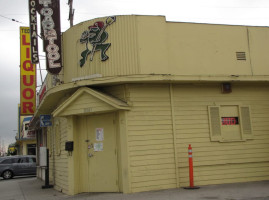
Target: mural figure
<point>96,36</point>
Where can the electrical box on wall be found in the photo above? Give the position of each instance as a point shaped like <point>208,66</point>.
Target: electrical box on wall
<point>69,146</point>
<point>43,157</point>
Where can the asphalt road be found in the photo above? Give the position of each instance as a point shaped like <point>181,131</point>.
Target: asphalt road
<point>29,188</point>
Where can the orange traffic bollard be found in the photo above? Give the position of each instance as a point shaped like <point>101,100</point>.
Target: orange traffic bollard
<point>191,170</point>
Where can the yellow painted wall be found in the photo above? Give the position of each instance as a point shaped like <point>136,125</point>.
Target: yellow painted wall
<point>203,49</point>
<point>58,157</point>
<point>259,45</point>
<point>150,154</point>
<point>50,146</point>
<point>120,92</point>
<point>86,103</point>
<point>164,119</point>
<point>153,138</point>
<point>150,136</point>
<point>151,45</point>
<point>221,162</point>
<point>122,53</point>
<point>69,171</point>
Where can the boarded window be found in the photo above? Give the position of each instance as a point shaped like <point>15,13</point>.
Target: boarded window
<point>230,123</point>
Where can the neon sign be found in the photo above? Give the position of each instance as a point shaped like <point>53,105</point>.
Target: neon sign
<point>229,121</point>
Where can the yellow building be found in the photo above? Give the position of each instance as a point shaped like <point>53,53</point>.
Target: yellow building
<point>165,85</point>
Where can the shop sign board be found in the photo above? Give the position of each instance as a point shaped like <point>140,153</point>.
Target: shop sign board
<point>33,31</point>
<point>27,74</point>
<point>45,120</point>
<point>51,33</point>
<point>25,132</point>
<point>49,11</point>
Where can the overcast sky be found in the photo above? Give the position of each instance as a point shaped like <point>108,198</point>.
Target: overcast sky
<point>234,12</point>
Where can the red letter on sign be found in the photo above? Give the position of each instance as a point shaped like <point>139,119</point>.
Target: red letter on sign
<point>28,93</point>
<point>27,82</point>
<point>28,66</point>
<point>24,40</point>
<point>27,106</point>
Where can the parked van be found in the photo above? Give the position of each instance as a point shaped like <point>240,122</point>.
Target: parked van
<point>11,166</point>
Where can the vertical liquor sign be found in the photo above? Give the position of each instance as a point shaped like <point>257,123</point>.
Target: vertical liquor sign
<point>27,74</point>
<point>49,11</point>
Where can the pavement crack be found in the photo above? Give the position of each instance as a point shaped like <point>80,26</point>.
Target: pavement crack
<point>23,195</point>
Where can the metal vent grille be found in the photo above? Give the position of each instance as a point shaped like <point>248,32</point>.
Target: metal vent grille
<point>241,55</point>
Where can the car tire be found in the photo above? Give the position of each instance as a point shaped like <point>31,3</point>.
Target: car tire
<point>7,174</point>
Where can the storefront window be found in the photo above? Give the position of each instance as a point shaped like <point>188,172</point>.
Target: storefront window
<point>31,149</point>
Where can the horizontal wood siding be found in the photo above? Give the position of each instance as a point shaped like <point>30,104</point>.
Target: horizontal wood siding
<point>86,102</point>
<point>117,91</point>
<point>59,160</point>
<point>123,52</point>
<point>150,138</point>
<point>216,162</point>
<point>50,146</point>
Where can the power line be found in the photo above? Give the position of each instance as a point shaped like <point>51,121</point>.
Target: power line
<point>8,30</point>
<point>14,20</point>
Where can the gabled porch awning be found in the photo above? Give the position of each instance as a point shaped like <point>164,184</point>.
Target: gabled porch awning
<point>88,101</point>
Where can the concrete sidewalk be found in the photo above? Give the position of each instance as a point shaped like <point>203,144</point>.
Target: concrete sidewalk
<point>30,189</point>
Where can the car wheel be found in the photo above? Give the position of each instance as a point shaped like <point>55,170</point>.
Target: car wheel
<point>7,174</point>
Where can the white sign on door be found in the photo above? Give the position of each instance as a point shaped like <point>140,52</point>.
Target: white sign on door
<point>98,146</point>
<point>99,134</point>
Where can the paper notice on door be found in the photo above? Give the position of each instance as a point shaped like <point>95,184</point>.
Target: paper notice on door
<point>99,134</point>
<point>98,147</point>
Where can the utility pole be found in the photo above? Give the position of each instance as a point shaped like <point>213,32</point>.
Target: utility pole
<point>71,12</point>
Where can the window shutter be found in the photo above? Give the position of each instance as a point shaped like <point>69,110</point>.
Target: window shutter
<point>215,123</point>
<point>246,122</point>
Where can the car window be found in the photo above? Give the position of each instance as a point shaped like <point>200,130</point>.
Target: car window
<point>7,161</point>
<point>15,160</point>
<point>32,160</point>
<point>24,160</point>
